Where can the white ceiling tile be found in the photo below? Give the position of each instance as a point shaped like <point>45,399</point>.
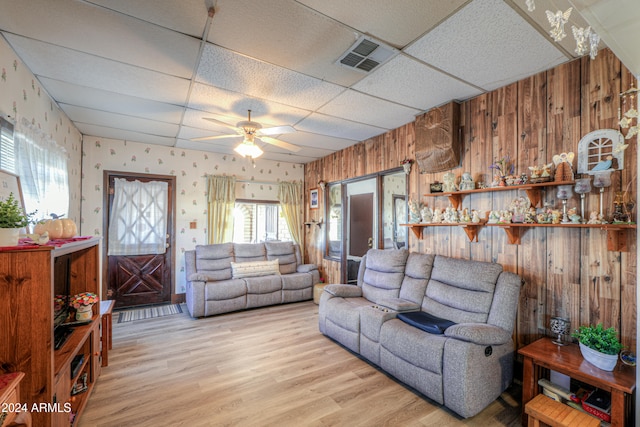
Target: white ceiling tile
<point>81,27</point>
<point>306,139</point>
<point>230,71</point>
<point>409,82</point>
<point>119,121</point>
<point>187,131</point>
<point>339,128</point>
<point>81,96</point>
<point>113,133</point>
<point>278,23</point>
<point>352,105</point>
<point>184,16</point>
<point>83,69</point>
<point>235,105</point>
<point>395,22</point>
<point>483,44</point>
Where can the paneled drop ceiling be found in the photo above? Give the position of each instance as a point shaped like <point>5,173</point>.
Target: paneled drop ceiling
<point>151,71</point>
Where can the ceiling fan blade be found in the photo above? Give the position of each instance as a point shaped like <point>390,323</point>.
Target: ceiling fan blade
<point>207,138</point>
<point>279,143</point>
<point>276,130</point>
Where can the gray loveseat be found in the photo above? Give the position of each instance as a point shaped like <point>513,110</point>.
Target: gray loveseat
<point>467,366</point>
<point>235,276</point>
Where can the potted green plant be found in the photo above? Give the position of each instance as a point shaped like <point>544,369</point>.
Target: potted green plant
<point>12,219</point>
<point>599,346</point>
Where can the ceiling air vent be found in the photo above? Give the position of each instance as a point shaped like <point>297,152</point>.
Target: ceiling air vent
<point>366,54</point>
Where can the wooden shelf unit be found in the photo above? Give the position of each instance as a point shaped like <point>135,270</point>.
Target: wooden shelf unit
<point>532,190</point>
<point>26,284</point>
<point>616,233</point>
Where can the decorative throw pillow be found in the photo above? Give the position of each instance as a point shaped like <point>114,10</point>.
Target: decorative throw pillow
<point>254,269</point>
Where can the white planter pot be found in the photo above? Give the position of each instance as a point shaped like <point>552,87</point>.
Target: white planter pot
<point>606,362</point>
<point>9,236</point>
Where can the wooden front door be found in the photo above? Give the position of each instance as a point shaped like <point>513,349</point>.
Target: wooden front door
<point>134,280</point>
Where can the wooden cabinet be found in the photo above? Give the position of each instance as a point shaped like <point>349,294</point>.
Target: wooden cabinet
<point>26,329</point>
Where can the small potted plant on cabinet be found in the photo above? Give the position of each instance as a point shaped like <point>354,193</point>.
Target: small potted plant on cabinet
<point>599,346</point>
<point>12,219</point>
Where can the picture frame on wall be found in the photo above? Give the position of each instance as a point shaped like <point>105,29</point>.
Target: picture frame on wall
<point>314,198</point>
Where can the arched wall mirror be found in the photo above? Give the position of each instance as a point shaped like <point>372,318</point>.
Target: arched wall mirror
<point>364,213</point>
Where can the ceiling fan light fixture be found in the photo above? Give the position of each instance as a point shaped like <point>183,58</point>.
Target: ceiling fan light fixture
<point>248,148</point>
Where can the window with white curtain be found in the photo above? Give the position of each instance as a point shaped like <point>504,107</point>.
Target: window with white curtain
<point>138,218</point>
<point>41,165</point>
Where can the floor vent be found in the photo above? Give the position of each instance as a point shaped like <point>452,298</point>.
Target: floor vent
<point>366,54</point>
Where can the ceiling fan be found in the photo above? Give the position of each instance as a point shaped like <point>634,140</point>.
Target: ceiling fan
<point>250,130</point>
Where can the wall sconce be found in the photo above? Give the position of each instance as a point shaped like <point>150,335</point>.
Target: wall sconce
<point>322,184</point>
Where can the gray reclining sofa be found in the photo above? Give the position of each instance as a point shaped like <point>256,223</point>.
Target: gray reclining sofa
<point>468,362</point>
<point>228,277</point>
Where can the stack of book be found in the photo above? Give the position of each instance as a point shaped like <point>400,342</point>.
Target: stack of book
<point>594,402</point>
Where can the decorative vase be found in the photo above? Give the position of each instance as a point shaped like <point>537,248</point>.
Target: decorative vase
<point>84,312</point>
<point>606,362</point>
<point>9,236</point>
<point>407,168</point>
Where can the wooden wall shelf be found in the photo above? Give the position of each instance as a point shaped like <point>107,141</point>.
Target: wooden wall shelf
<point>532,190</point>
<point>616,233</point>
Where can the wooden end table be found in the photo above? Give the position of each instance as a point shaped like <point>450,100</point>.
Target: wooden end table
<point>106,310</point>
<point>543,355</point>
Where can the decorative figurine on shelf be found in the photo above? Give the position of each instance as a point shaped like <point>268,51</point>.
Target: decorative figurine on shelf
<point>564,166</point>
<point>465,217</point>
<point>535,172</point>
<point>505,217</point>
<point>530,216</point>
<point>523,179</point>
<point>573,216</point>
<point>427,215</point>
<point>475,216</point>
<point>546,170</point>
<point>466,183</point>
<point>414,211</point>
<point>435,187</point>
<point>494,217</point>
<point>449,182</point>
<point>619,209</point>
<point>519,206</point>
<point>437,216</point>
<point>593,218</point>
<point>449,215</point>
<point>556,216</point>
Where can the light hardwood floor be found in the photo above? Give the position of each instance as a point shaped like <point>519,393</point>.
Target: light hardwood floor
<point>263,367</point>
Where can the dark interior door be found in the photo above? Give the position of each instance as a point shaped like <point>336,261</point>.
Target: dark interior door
<point>360,223</point>
<point>135,280</point>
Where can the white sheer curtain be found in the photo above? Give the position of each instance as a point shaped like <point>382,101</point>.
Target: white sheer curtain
<point>41,165</point>
<point>138,219</point>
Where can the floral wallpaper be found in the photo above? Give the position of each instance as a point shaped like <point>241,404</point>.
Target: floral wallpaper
<point>190,168</point>
<point>22,96</point>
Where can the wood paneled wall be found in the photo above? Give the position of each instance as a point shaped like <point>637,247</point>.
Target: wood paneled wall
<point>567,272</point>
